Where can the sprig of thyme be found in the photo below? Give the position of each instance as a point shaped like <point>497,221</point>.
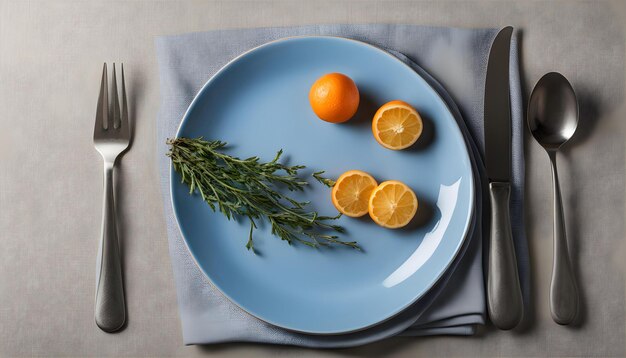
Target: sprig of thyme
<point>328,182</point>
<point>248,188</point>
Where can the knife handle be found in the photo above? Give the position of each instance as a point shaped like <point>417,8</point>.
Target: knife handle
<point>504,296</point>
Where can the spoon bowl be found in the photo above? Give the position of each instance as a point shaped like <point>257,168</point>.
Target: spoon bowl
<point>552,119</point>
<point>553,111</point>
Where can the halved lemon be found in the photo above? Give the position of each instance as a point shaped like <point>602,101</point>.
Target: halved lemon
<point>351,192</point>
<point>396,125</point>
<point>392,204</point>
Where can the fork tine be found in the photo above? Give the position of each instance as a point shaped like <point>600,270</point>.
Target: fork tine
<point>116,101</point>
<point>124,119</point>
<point>102,111</point>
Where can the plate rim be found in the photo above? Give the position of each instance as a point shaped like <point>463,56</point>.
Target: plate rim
<point>472,187</point>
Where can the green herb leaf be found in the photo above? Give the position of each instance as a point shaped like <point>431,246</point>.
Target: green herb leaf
<point>328,182</point>
<point>248,188</point>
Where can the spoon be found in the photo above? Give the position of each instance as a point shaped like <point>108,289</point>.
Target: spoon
<point>552,119</point>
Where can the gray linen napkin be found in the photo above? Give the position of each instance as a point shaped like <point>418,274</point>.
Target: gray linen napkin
<point>457,58</point>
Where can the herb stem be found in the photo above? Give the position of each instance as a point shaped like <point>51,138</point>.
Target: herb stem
<point>248,188</point>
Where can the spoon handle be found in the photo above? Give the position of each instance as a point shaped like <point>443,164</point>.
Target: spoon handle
<point>563,290</point>
<point>504,296</point>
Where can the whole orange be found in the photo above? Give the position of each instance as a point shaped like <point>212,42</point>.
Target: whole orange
<point>334,97</point>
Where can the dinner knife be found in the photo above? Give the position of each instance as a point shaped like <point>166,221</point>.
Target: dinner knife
<point>504,296</point>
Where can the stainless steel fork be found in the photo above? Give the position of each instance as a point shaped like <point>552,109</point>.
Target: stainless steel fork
<point>111,136</point>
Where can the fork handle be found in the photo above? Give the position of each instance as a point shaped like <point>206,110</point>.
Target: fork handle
<point>110,312</point>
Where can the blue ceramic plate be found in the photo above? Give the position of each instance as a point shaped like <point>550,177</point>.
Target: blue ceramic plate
<point>258,103</point>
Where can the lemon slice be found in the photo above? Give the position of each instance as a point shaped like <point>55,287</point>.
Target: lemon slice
<point>392,204</point>
<point>351,192</point>
<point>396,125</point>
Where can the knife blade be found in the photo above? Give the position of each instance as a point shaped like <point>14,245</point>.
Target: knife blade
<point>504,297</point>
<point>498,109</point>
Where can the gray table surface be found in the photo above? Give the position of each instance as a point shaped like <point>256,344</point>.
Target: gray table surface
<point>51,53</point>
